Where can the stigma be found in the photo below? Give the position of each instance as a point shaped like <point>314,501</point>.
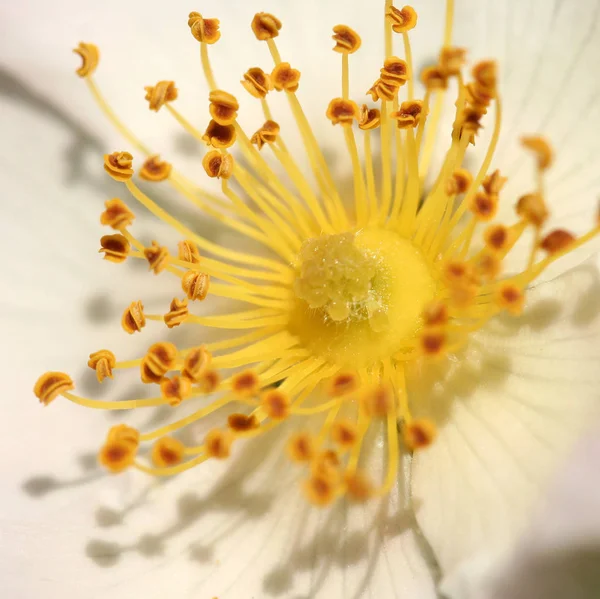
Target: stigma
<point>351,295</point>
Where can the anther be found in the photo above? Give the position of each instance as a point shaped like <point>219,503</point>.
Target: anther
<point>319,491</point>
<point>409,115</point>
<point>285,78</point>
<point>219,136</point>
<point>326,464</point>
<point>378,400</point>
<point>133,319</point>
<point>452,60</point>
<point>160,94</point>
<point>154,169</point>
<point>419,433</point>
<point>157,257</point>
<point>266,134</point>
<point>488,266</point>
<point>178,312</point>
<point>114,247</point>
<point>159,359</point>
<point>167,451</point>
<point>358,486</point>
<point>208,381</point>
<point>557,241</point>
<point>435,313</point>
<point>301,447</point>
<point>116,215</point>
<point>511,298</point>
<point>496,237</point>
<point>256,82</point>
<point>116,456</point>
<point>52,384</point>
<point>175,389</point>
<point>103,362</point>
<point>470,121</point>
<point>532,209</point>
<point>341,111</point>
<point>195,284</point>
<point>433,342</point>
<point>218,165</point>
<point>394,71</point>
<point>347,41</point>
<point>204,30</point>
<point>89,58</point>
<point>403,19</point>
<point>124,433</point>
<point>196,363</point>
<point>218,443</point>
<point>494,182</point>
<point>223,107</point>
<point>369,118</point>
<point>245,384</point>
<point>483,206</point>
<point>118,165</point>
<point>434,79</point>
<point>342,384</point>
<point>541,149</point>
<point>265,26</point>
<point>485,74</point>
<point>276,404</point>
<point>459,182</point>
<point>188,252</point>
<point>344,434</point>
<point>241,423</point>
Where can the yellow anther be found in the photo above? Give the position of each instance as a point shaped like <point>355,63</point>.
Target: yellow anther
<point>114,247</point>
<point>218,443</point>
<point>347,41</point>
<point>52,384</point>
<point>459,182</point>
<point>470,121</point>
<point>344,434</point>
<point>409,115</point>
<point>265,26</point>
<point>433,78</point>
<point>219,136</point>
<point>178,312</point>
<point>103,362</point>
<point>223,107</point>
<point>241,423</point>
<point>195,284</point>
<point>266,134</point>
<point>403,19</point>
<point>204,30</point>
<point>167,451</point>
<point>326,464</point>
<point>485,74</point>
<point>497,237</point>
<point>319,491</point>
<point>196,363</point>
<point>557,241</point>
<point>175,389</point>
<point>457,273</point>
<point>510,297</point>
<point>494,182</point>
<point>125,434</point>
<point>419,433</point>
<point>160,94</point>
<point>118,165</point>
<point>541,149</point>
<point>285,78</point>
<point>116,215</point>
<point>479,96</point>
<point>378,400</point>
<point>256,82</point>
<point>157,257</point>
<point>218,165</point>
<point>435,313</point>
<point>532,209</point>
<point>383,91</point>
<point>342,384</point>
<point>159,359</point>
<point>154,169</point>
<point>208,381</point>
<point>452,60</point>
<point>276,404</point>
<point>433,342</point>
<point>133,319</point>
<point>245,384</point>
<point>369,118</point>
<point>188,251</point>
<point>483,206</point>
<point>358,486</point>
<point>394,71</point>
<point>342,111</point>
<point>488,266</point>
<point>89,58</point>
<point>116,456</point>
<point>301,447</point>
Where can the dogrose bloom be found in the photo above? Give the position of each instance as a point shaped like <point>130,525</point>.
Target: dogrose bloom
<point>362,318</point>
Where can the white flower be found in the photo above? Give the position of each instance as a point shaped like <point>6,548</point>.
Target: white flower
<point>507,408</point>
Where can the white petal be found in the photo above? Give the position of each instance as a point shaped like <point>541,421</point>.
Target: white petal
<point>558,554</point>
<point>507,414</point>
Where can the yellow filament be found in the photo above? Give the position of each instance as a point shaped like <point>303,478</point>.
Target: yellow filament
<point>408,212</point>
<point>371,190</point>
<point>408,55</point>
<point>359,183</point>
<point>449,22</point>
<point>208,73</point>
<point>129,404</point>
<point>185,123</point>
<point>430,137</point>
<point>393,454</point>
<point>345,77</point>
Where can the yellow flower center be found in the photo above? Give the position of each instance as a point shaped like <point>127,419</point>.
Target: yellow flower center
<point>348,299</point>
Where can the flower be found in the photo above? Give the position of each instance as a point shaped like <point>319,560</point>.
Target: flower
<point>337,310</point>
